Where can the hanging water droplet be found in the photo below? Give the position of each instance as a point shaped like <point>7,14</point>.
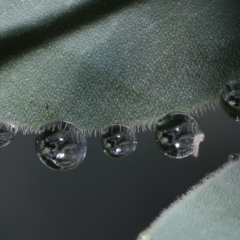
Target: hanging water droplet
<point>234,157</point>
<point>144,236</point>
<point>118,141</point>
<point>7,134</point>
<point>178,135</point>
<point>61,147</point>
<point>230,99</point>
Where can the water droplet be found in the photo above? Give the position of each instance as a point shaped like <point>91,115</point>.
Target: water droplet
<point>143,236</point>
<point>230,99</point>
<point>7,134</point>
<point>61,147</point>
<point>178,135</point>
<point>234,157</point>
<point>118,141</point>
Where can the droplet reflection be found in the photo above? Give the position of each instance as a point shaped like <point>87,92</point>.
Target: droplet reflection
<point>62,147</point>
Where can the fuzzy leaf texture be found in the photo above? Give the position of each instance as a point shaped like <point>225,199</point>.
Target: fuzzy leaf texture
<point>98,62</point>
<point>209,210</point>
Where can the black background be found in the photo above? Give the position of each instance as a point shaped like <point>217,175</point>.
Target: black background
<point>104,198</point>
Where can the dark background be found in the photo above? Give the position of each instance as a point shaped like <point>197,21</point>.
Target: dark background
<point>104,198</point>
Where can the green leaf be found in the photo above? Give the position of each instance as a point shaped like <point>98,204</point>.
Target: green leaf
<point>209,210</point>
<point>98,62</point>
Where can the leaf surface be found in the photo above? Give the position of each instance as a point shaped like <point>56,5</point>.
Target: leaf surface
<point>209,210</point>
<point>98,62</point>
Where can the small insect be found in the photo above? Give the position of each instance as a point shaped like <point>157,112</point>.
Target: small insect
<point>47,106</point>
<point>198,137</point>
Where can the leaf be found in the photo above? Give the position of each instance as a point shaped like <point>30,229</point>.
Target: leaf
<point>97,62</point>
<point>209,210</point>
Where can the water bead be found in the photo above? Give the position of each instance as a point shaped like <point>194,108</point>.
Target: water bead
<point>144,236</point>
<point>61,147</point>
<point>234,157</point>
<point>178,135</point>
<point>7,134</point>
<point>118,141</point>
<point>230,99</point>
